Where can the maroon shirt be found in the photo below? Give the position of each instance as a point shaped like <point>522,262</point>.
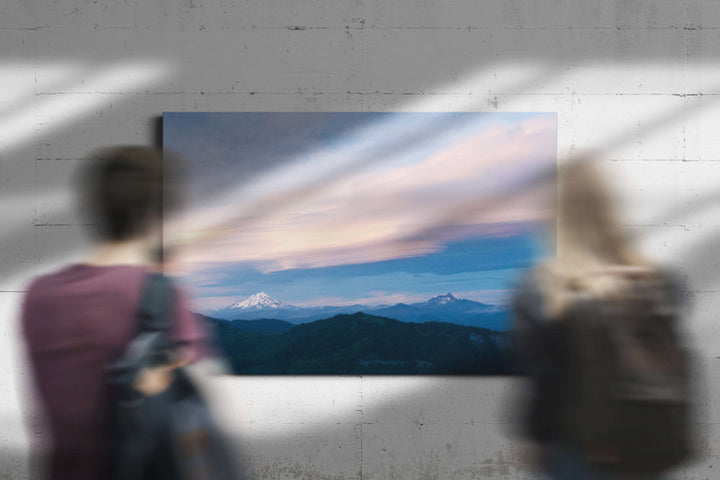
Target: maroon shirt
<point>76,322</point>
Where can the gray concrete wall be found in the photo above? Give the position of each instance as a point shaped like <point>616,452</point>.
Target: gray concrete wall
<point>637,80</point>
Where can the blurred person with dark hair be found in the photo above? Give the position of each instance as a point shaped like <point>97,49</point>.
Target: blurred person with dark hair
<point>80,319</point>
<point>595,330</point>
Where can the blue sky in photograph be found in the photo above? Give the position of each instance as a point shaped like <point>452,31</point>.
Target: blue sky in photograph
<point>481,269</point>
<point>371,208</point>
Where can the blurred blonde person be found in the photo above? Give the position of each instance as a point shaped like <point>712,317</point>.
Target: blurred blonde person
<point>572,307</point>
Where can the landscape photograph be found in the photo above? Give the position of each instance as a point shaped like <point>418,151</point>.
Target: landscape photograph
<point>360,243</point>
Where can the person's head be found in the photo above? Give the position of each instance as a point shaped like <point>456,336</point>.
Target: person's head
<point>591,244</point>
<point>127,190</point>
<point>588,230</point>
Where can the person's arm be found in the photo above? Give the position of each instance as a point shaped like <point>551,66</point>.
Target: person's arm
<point>191,345</point>
<point>189,334</point>
<point>539,346</point>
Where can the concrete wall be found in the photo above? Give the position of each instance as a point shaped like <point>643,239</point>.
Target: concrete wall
<point>637,80</point>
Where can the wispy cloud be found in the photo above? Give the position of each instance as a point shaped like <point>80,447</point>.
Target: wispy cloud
<point>388,210</point>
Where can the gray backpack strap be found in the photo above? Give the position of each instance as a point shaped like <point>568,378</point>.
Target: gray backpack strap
<point>155,311</point>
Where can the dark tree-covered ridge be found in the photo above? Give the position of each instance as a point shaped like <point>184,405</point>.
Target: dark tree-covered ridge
<point>361,344</point>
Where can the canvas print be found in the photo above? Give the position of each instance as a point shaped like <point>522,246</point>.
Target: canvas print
<point>360,243</point>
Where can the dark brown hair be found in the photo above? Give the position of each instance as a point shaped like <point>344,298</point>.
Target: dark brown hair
<point>127,189</point>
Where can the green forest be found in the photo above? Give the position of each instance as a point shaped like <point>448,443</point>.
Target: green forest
<point>361,344</point>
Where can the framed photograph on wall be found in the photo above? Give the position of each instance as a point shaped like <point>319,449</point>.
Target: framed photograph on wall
<point>360,243</point>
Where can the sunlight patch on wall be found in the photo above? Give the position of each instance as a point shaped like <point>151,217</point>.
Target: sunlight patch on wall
<point>80,91</point>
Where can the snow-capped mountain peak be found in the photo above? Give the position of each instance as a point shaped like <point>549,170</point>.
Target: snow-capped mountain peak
<point>443,299</point>
<point>259,301</point>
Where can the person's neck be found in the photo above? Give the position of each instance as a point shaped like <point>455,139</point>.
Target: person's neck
<point>126,252</point>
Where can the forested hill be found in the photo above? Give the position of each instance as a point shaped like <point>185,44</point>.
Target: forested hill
<point>361,344</point>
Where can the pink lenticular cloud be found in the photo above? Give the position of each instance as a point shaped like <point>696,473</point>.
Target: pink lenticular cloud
<point>488,160</point>
<point>380,213</point>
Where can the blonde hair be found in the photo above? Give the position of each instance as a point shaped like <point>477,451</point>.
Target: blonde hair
<point>594,256</point>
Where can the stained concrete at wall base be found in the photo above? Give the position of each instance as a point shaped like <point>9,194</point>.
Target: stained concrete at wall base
<point>638,81</point>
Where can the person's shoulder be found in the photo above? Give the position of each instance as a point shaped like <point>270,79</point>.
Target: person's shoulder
<point>664,285</point>
<point>530,283</point>
<point>670,276</point>
<point>85,276</point>
<point>651,276</point>
<point>673,285</point>
<point>43,289</point>
<point>43,281</point>
<point>528,298</point>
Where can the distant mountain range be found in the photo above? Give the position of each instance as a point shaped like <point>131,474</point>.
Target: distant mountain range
<point>442,308</point>
<point>360,344</point>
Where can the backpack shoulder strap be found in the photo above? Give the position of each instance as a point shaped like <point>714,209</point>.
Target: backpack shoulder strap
<point>156,299</point>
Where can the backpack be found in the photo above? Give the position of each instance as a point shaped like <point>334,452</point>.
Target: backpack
<point>628,397</point>
<point>171,435</point>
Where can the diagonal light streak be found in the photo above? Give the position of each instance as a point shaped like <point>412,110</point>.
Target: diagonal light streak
<point>47,112</point>
<point>314,172</point>
<point>23,81</point>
